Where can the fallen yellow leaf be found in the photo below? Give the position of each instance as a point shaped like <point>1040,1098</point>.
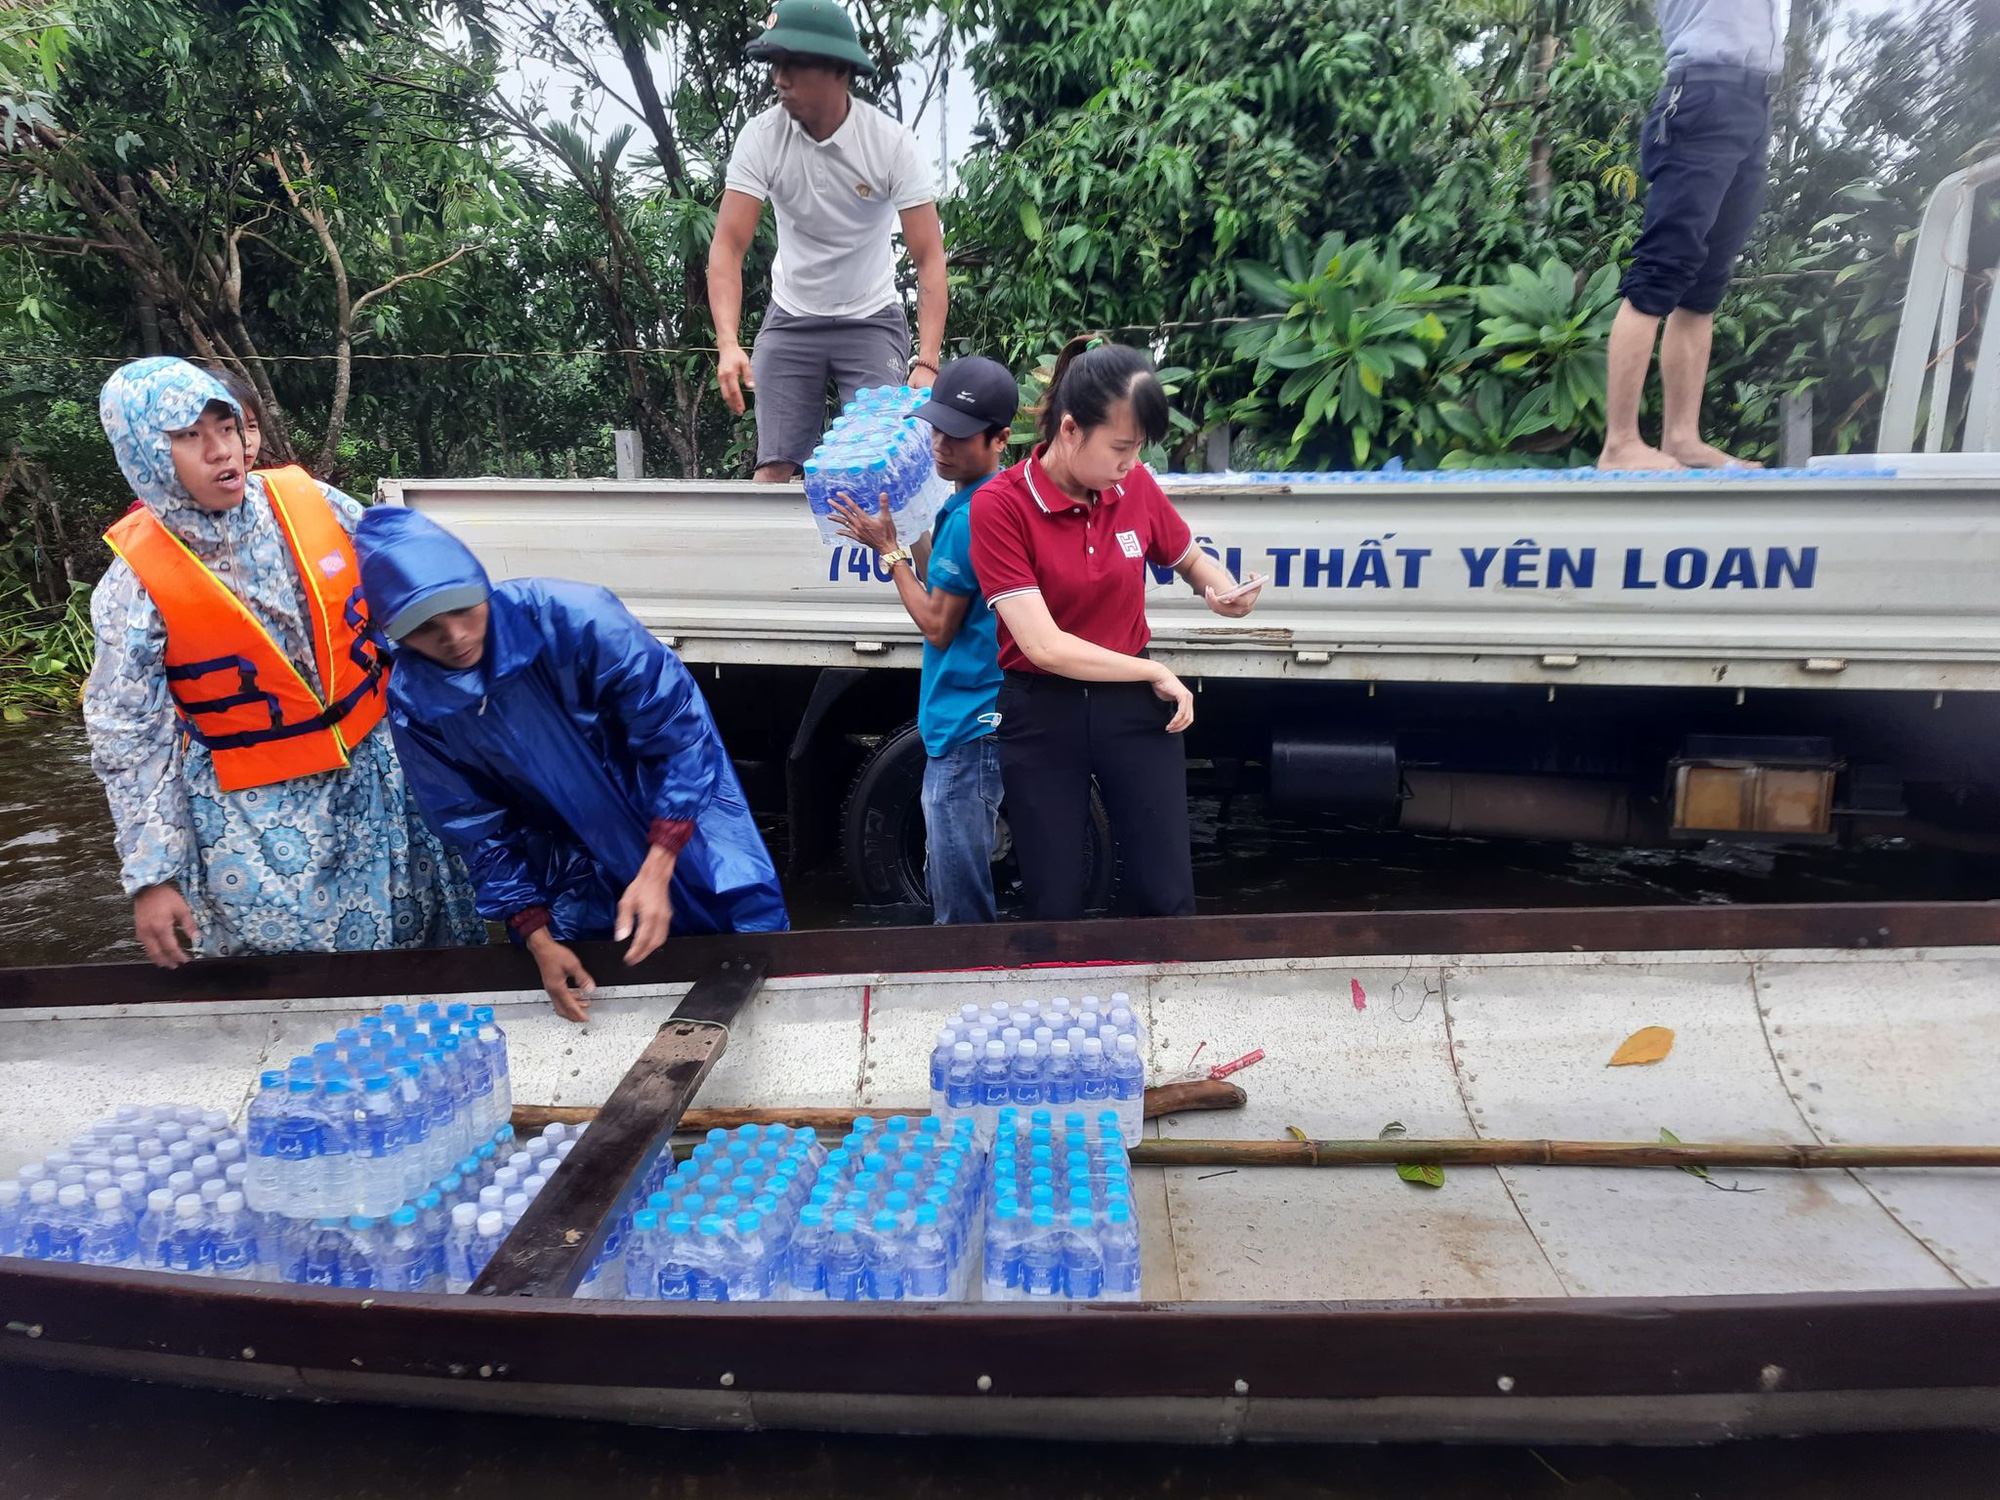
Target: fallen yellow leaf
<point>1646,1045</point>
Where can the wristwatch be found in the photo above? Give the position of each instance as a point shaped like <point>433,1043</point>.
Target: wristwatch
<point>901,554</point>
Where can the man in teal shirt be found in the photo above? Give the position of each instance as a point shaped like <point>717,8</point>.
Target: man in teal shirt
<point>971,412</point>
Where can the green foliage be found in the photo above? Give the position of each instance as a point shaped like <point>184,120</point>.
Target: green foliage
<point>45,652</point>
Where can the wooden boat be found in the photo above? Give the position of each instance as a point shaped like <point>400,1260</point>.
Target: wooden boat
<point>1517,1303</point>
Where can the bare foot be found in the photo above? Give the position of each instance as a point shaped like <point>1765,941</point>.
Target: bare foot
<point>1636,456</point>
<point>1699,455</point>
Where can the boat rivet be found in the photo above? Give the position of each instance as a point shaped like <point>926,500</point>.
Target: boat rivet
<point>248,1352</point>
<point>1770,1377</point>
<point>728,1379</point>
<point>984,1382</point>
<point>1506,1383</point>
<point>1242,1387</point>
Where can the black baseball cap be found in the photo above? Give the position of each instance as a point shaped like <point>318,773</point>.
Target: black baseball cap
<point>971,395</point>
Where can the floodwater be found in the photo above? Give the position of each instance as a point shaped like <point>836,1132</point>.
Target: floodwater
<point>59,873</point>
<point>98,1439</point>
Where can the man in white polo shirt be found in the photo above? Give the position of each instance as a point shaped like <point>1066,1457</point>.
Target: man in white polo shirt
<point>839,173</point>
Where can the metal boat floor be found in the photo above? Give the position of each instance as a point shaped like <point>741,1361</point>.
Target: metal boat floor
<point>1886,1047</point>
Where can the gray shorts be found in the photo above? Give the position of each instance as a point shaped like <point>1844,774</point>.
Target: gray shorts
<point>794,360</point>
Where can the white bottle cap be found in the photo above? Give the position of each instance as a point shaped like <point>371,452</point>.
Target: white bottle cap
<point>213,1190</point>
<point>996,1050</point>
<point>962,1052</point>
<point>159,1201</point>
<point>110,1198</point>
<point>516,1203</point>
<point>1119,997</point>
<point>187,1206</point>
<point>42,1192</point>
<point>1092,1047</point>
<point>10,1193</point>
<point>491,1195</point>
<point>180,1182</point>
<point>1029,1050</point>
<point>72,1195</point>
<point>1128,1044</point>
<point>229,1203</point>
<point>946,1037</point>
<point>464,1215</point>
<point>490,1222</point>
<point>555,1134</point>
<point>1090,1002</point>
<point>1059,1047</point>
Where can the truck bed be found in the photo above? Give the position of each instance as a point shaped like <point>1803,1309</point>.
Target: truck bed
<point>1781,579</point>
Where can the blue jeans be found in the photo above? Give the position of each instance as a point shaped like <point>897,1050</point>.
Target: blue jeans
<point>961,811</point>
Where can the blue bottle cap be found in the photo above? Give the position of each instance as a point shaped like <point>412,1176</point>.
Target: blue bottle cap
<point>1118,1211</point>
<point>1008,1208</point>
<point>459,1012</point>
<point>1079,1218</point>
<point>746,1132</point>
<point>727,1204</point>
<point>646,1220</point>
<point>694,1204</point>
<point>1080,1196</point>
<point>431,1197</point>
<point>843,1222</point>
<point>427,1010</point>
<point>486,1152</point>
<point>300,1086</point>
<point>885,1222</point>
<point>339,1086</point>
<point>1073,1120</point>
<point>679,1223</point>
<point>391,1012</point>
<point>1041,1119</point>
<point>659,1200</point>
<point>711,1225</point>
<point>403,1215</point>
<point>718,1135</point>
<point>764,1203</point>
<point>482,1014</point>
<point>1043,1216</point>
<point>812,1214</point>
<point>270,1080</point>
<point>360,1221</point>
<point>749,1223</point>
<point>896,1202</point>
<point>805,1135</point>
<point>377,1083</point>
<point>930,1125</point>
<point>898,1123</point>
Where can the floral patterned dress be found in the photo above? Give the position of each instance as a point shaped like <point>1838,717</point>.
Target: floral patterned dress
<point>336,861</point>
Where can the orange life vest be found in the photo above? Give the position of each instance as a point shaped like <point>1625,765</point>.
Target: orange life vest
<point>237,691</point>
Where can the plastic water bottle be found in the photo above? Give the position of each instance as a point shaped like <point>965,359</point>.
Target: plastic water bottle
<point>63,1222</point>
<point>12,1209</point>
<point>805,1270</point>
<point>405,1258</point>
<point>493,1042</point>
<point>233,1236</point>
<point>188,1248</point>
<point>1004,1240</point>
<point>1082,1263</point>
<point>1118,1244</point>
<point>1128,1087</point>
<point>378,1148</point>
<point>1028,1070</point>
<point>1093,1076</point>
<point>491,1230</point>
<point>1041,1257</point>
<point>260,1128</point>
<point>297,1148</point>
<point>673,1264</point>
<point>961,1096</point>
<point>927,1268</point>
<point>461,1247</point>
<point>883,1268</point>
<point>110,1236</point>
<point>155,1228</point>
<point>844,1259</point>
<point>361,1262</point>
<point>995,1087</point>
<point>941,1055</point>
<point>708,1265</point>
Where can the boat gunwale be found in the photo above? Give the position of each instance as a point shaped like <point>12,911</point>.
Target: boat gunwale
<point>1320,1350</point>
<point>1013,945</point>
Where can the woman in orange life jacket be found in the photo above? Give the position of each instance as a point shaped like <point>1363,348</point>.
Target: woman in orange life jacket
<point>236,702</point>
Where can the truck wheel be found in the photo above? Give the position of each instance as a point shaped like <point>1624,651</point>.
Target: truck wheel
<point>882,834</point>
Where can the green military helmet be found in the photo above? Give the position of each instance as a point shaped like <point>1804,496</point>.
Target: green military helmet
<point>811,28</point>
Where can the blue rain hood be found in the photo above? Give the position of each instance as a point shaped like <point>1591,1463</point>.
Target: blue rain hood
<point>549,763</point>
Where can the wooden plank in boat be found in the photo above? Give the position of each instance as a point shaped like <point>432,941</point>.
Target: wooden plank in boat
<point>295,976</point>
<point>551,1249</point>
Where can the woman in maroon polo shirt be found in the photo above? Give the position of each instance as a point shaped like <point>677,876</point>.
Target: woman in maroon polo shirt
<point>1060,545</point>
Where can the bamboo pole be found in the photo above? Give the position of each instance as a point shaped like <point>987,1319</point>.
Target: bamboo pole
<point>1404,1149</point>
<point>1187,1097</point>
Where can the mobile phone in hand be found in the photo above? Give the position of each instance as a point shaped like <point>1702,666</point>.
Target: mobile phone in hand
<point>1256,581</point>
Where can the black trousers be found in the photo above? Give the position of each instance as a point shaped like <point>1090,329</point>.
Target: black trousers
<point>1056,734</point>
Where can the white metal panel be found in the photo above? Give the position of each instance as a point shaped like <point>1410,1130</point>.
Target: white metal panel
<point>1335,1072</point>
<point>1896,1055</point>
<point>1898,586</point>
<point>1532,1048</point>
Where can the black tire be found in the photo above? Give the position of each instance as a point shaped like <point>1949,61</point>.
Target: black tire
<point>882,834</point>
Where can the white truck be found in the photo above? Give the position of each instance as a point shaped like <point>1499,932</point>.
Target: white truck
<point>1787,656</point>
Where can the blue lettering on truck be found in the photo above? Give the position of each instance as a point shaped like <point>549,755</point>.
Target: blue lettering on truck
<point>1522,564</point>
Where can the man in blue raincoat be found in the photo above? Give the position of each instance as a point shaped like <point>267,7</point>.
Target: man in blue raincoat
<point>565,752</point>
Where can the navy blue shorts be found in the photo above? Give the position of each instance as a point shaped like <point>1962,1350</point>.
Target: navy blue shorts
<point>1702,152</point>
